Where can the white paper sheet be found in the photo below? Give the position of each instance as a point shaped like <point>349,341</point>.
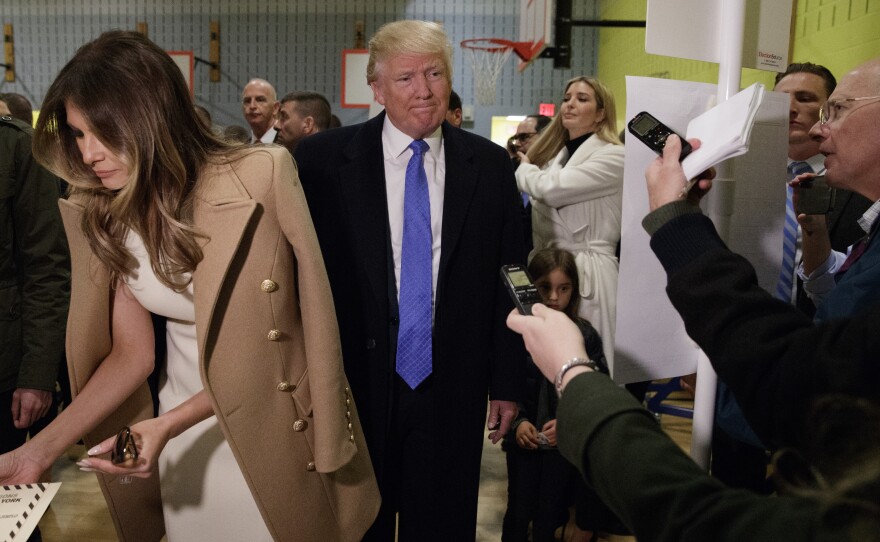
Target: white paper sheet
<point>723,131</point>
<point>21,508</point>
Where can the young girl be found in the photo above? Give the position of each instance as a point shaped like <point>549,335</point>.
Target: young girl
<point>540,481</point>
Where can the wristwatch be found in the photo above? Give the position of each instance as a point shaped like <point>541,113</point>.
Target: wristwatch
<point>573,362</point>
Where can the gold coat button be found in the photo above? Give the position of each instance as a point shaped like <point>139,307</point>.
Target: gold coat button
<point>351,438</point>
<point>283,386</point>
<point>311,466</point>
<point>349,428</point>
<point>300,425</point>
<point>274,335</point>
<point>268,286</point>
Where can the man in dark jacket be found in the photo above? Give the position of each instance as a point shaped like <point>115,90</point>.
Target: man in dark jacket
<point>34,285</point>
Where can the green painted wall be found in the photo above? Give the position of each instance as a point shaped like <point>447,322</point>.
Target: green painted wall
<point>839,34</point>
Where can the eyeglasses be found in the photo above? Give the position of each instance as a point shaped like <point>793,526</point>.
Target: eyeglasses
<point>523,137</point>
<point>833,109</point>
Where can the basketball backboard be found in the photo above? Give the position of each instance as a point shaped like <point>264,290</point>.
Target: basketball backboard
<point>535,28</point>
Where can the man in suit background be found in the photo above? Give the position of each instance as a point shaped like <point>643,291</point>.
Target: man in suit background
<point>809,86</point>
<point>259,105</point>
<point>453,110</point>
<point>302,114</point>
<point>848,134</point>
<point>424,433</point>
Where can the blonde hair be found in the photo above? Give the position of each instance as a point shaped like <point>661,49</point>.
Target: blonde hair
<point>134,98</point>
<point>409,38</point>
<point>550,141</point>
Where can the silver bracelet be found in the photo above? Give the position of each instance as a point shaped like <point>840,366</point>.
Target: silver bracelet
<point>573,362</point>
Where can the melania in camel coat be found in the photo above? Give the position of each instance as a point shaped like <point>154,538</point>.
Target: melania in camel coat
<point>269,357</point>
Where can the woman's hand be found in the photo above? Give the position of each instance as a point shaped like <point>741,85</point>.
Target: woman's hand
<point>523,159</point>
<point>527,436</point>
<point>19,467</point>
<point>549,431</point>
<point>150,437</point>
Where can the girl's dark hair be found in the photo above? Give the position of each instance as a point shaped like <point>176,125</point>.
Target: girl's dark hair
<point>546,260</point>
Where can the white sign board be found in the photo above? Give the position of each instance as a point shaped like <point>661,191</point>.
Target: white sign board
<point>650,341</point>
<point>692,29</point>
<point>355,90</point>
<point>21,508</point>
<point>185,60</point>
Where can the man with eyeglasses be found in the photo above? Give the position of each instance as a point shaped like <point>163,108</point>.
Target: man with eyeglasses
<point>848,133</point>
<point>526,132</point>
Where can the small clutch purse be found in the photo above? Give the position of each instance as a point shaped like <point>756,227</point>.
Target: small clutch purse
<point>124,449</point>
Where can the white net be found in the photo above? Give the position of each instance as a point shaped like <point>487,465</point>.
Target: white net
<point>487,59</point>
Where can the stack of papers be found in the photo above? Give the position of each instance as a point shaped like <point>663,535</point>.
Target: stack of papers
<point>723,131</point>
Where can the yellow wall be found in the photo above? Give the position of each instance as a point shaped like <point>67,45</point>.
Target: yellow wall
<point>839,34</point>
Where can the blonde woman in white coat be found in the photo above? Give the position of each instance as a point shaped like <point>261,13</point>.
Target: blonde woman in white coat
<point>573,173</point>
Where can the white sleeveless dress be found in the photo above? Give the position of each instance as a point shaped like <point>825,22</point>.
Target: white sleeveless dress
<point>204,495</point>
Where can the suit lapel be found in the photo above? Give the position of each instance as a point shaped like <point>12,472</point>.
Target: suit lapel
<point>222,212</point>
<point>461,182</point>
<point>843,198</point>
<point>363,194</point>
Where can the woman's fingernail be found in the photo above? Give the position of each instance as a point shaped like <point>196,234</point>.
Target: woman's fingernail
<point>93,451</point>
<point>84,463</point>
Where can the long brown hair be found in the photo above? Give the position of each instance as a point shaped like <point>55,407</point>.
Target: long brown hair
<point>134,98</point>
<point>546,260</point>
<point>551,140</point>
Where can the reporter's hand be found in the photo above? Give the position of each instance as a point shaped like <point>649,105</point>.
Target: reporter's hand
<point>150,437</point>
<point>666,178</point>
<point>549,431</point>
<point>29,405</point>
<point>550,336</point>
<point>527,436</point>
<point>810,224</point>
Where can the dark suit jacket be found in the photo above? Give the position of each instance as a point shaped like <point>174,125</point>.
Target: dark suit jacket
<point>343,176</point>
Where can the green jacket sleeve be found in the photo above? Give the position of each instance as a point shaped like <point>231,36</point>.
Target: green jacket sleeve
<point>657,490</point>
<point>35,274</point>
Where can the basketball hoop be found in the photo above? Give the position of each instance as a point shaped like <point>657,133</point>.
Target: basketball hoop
<point>488,56</point>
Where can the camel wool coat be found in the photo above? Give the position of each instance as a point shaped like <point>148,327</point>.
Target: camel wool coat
<point>269,358</point>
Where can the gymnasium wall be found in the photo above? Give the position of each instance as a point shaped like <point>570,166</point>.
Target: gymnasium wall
<point>839,34</point>
<point>296,45</point>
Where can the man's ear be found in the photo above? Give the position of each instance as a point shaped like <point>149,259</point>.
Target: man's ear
<point>309,125</point>
<point>276,108</point>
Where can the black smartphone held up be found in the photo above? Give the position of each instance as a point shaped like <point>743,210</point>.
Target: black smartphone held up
<point>815,197</point>
<point>653,133</point>
<point>523,291</point>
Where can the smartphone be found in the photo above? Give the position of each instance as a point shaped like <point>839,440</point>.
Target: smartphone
<point>815,197</point>
<point>523,291</point>
<point>653,133</point>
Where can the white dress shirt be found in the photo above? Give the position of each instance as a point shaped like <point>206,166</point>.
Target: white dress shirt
<point>395,148</point>
<point>268,137</point>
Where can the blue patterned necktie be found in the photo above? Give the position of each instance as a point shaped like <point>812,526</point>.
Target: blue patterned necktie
<point>789,236</point>
<point>414,337</point>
